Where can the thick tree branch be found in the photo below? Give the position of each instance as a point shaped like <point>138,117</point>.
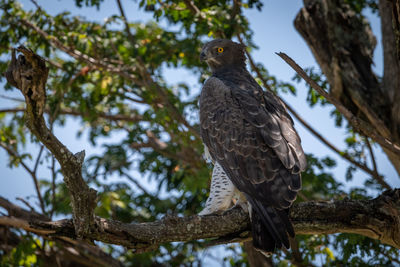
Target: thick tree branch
<point>378,218</point>
<point>358,124</point>
<point>29,74</point>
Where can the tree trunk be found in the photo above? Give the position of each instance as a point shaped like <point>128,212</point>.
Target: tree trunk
<point>343,44</point>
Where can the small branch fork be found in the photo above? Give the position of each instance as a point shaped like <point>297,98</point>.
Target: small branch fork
<point>29,74</point>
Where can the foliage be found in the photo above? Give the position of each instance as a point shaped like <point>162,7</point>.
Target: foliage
<point>126,95</point>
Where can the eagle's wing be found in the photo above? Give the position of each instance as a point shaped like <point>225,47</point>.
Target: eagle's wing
<point>251,135</point>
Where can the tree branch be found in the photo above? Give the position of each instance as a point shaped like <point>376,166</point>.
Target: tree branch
<point>358,124</point>
<point>378,218</point>
<point>376,176</point>
<point>29,74</point>
<point>125,20</point>
<point>32,173</point>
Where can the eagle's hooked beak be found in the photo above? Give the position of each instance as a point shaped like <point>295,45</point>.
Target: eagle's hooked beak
<point>203,56</point>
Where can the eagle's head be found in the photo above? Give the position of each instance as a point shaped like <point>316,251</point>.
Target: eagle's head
<point>222,53</point>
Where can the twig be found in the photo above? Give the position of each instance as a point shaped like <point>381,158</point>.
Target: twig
<point>14,154</point>
<point>135,100</point>
<point>125,20</point>
<point>358,124</point>
<point>376,175</point>
<point>192,7</point>
<point>12,98</point>
<point>53,186</point>
<point>26,203</point>
<point>38,159</point>
<point>36,4</point>
<point>130,178</point>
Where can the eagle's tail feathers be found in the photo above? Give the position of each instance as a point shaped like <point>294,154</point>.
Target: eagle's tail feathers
<point>270,227</point>
<point>284,215</point>
<point>262,239</point>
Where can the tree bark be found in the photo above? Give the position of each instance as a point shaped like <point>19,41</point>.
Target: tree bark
<point>343,44</point>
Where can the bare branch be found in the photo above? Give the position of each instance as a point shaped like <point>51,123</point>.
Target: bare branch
<point>358,124</point>
<point>125,20</point>
<point>376,175</point>
<point>32,173</point>
<point>12,98</point>
<point>138,185</point>
<point>36,4</point>
<point>53,185</point>
<point>38,160</point>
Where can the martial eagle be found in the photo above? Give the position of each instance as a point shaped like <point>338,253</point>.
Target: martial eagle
<point>253,144</point>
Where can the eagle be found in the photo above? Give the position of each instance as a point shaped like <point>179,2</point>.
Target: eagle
<point>250,137</point>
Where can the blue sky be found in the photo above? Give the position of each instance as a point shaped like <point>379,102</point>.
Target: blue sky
<point>273,32</point>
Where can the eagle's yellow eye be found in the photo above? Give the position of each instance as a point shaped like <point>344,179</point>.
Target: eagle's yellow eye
<point>220,50</point>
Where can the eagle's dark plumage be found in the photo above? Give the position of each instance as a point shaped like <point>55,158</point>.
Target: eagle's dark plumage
<point>250,134</point>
